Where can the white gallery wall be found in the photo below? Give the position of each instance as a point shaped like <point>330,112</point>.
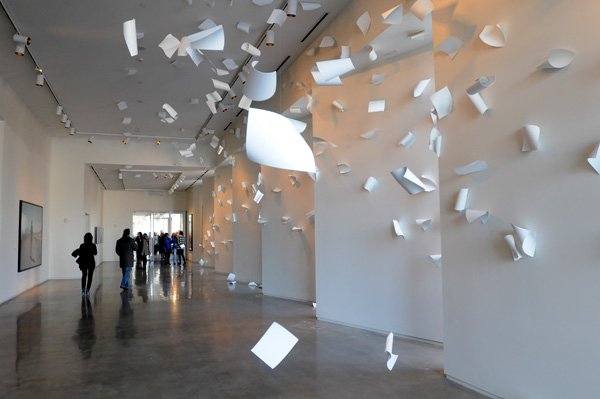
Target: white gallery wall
<point>118,208</point>
<point>24,166</point>
<point>525,329</point>
<point>92,206</point>
<point>203,206</point>
<point>221,240</point>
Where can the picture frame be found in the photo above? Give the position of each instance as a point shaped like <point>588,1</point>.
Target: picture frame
<point>190,232</point>
<point>31,232</point>
<point>98,235</point>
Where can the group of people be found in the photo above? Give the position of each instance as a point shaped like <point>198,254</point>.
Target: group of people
<point>125,248</point>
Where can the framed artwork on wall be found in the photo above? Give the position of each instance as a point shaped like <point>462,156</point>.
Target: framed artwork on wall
<point>98,235</point>
<point>31,218</point>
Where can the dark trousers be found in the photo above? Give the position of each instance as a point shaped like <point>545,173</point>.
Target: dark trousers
<point>144,261</point>
<point>180,255</point>
<point>86,278</point>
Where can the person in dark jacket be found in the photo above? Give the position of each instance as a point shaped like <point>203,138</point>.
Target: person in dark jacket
<point>167,249</point>
<point>87,262</point>
<point>139,241</point>
<point>124,248</point>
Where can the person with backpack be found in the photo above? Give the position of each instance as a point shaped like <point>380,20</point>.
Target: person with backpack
<point>87,263</point>
<point>124,248</point>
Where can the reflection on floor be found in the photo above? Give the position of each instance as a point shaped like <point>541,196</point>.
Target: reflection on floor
<point>185,333</point>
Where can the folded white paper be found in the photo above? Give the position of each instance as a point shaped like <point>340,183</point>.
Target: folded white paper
<point>424,224</point>
<point>473,167</point>
<point>481,84</point>
<point>327,41</point>
<point>243,27</point>
<point>437,259</point>
<point>594,159</point>
<point>397,228</point>
<point>209,39</point>
<point>408,180</point>
<point>531,138</point>
<point>442,102</point>
<point>231,278</point>
<point>510,241</point>
<point>393,16</point>
<point>475,214</point>
<point>420,88</point>
<point>461,200</point>
<point>330,69</point>
<point>260,86</point>
<point>558,58</point>
<point>451,46</point>
<point>389,344</point>
<point>493,35</point>
<point>376,106</point>
<point>371,184</point>
<point>130,35</point>
<point>220,85</point>
<point>526,240</point>
<point>250,49</point>
<point>274,345</point>
<point>370,135</point>
<point>343,168</point>
<point>169,45</point>
<point>408,140</point>
<point>364,22</point>
<point>478,103</point>
<point>277,17</point>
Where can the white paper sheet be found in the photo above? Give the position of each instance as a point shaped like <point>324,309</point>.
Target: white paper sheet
<point>169,45</point>
<point>338,105</point>
<point>245,103</point>
<point>209,39</point>
<point>473,167</point>
<point>526,240</point>
<point>277,17</point>
<point>408,180</point>
<point>510,241</point>
<point>309,5</point>
<point>330,69</point>
<point>422,8</point>
<point>272,140</point>
<point>481,84</point>
<point>214,142</point>
<point>126,120</point>
<point>435,141</point>
<point>376,106</point>
<point>364,22</point>
<point>370,135</point>
<point>461,200</point>
<point>408,140</point>
<point>327,41</point>
<point>430,184</point>
<point>231,278</point>
<point>397,228</point>
<point>478,103</point>
<point>424,224</point>
<point>220,85</point>
<point>260,86</point>
<point>274,345</point>
<point>195,55</point>
<point>250,49</point>
<point>214,96</point>
<point>212,106</point>
<point>243,27</point>
<point>531,138</point>
<point>344,51</point>
<point>451,46</point>
<point>594,159</point>
<point>389,344</point>
<point>130,35</point>
<point>344,168</point>
<point>377,78</point>
<point>493,35</point>
<point>230,64</point>
<point>393,16</point>
<point>122,105</point>
<point>437,259</point>
<point>420,88</point>
<point>558,58</point>
<point>476,214</point>
<point>262,2</point>
<point>276,190</point>
<point>371,184</point>
<point>170,110</point>
<point>442,102</point>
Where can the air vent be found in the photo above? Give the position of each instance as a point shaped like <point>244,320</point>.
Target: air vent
<point>314,27</point>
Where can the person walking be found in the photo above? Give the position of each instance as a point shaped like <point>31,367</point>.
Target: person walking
<point>167,249</point>
<point>124,248</point>
<point>181,249</point>
<point>145,250</point>
<point>87,262</point>
<point>138,252</point>
<point>174,247</point>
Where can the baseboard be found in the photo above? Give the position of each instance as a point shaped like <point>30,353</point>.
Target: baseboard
<point>302,301</point>
<point>22,292</point>
<point>472,387</point>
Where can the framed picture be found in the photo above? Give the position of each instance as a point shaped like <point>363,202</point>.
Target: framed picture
<point>98,235</point>
<point>190,232</point>
<point>31,218</point>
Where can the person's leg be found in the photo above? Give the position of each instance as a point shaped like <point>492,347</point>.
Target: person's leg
<point>90,275</point>
<point>126,276</point>
<point>83,278</point>
<point>144,261</point>
<point>123,281</point>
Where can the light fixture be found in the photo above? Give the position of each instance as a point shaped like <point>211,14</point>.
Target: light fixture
<point>292,8</point>
<point>157,142</point>
<point>125,140</point>
<point>39,79</point>
<point>120,176</point>
<point>59,109</point>
<point>72,131</point>
<point>232,94</point>
<point>68,124</point>
<point>243,77</point>
<point>270,38</point>
<point>64,118</point>
<point>223,107</point>
<point>21,41</point>
<point>90,139</point>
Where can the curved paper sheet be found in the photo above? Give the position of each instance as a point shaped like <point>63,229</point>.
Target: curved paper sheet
<point>510,241</point>
<point>493,35</point>
<point>393,16</point>
<point>437,259</point>
<point>420,88</point>
<point>408,180</point>
<point>451,46</point>
<point>260,86</point>
<point>481,84</point>
<point>210,39</point>
<point>169,45</point>
<point>364,22</point>
<point>461,200</point>
<point>397,228</point>
<point>272,140</point>
<point>442,102</point>
<point>344,168</point>
<point>370,135</point>
<point>526,240</point>
<point>478,103</point>
<point>531,138</point>
<point>425,224</point>
<point>334,68</point>
<point>558,58</point>
<point>299,125</point>
<point>475,214</point>
<point>243,27</point>
<point>473,167</point>
<point>130,35</point>
<point>250,49</point>
<point>389,343</point>
<point>430,184</point>
<point>277,17</point>
<point>327,41</point>
<point>371,184</point>
<point>594,159</point>
<point>408,140</point>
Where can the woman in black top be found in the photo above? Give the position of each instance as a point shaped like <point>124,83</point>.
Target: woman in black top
<point>86,261</point>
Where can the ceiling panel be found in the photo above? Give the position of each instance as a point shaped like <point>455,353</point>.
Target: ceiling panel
<point>152,178</point>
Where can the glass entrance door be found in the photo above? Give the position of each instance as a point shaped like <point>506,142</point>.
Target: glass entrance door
<point>157,222</point>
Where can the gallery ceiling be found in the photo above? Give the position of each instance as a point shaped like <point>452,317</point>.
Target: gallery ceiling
<point>80,46</point>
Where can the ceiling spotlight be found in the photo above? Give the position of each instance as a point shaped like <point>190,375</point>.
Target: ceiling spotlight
<point>59,109</point>
<point>292,8</point>
<point>21,41</point>
<point>157,142</point>
<point>120,176</point>
<point>270,39</point>
<point>223,107</point>
<point>125,140</point>
<point>72,131</point>
<point>39,79</point>
<point>90,139</point>
<point>64,118</point>
<point>242,77</point>
<point>68,124</point>
<point>232,94</point>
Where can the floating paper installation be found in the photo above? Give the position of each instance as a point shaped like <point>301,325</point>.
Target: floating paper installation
<point>473,92</point>
<point>370,135</point>
<point>531,138</point>
<point>250,49</point>
<point>493,35</point>
<point>311,216</point>
<point>526,240</point>
<point>276,190</point>
<point>195,55</point>
<point>408,180</point>
<point>230,64</point>
<point>338,105</point>
<point>327,41</point>
<point>397,228</point>
<point>277,17</point>
<point>420,88</point>
<point>475,214</point>
<point>376,106</point>
<point>478,103</point>
<point>126,120</point>
<point>262,2</point>
<point>335,81</point>
<point>252,284</point>
<point>245,103</point>
<point>424,224</point>
<point>594,159</point>
<point>209,39</point>
<point>231,278</point>
<point>371,184</point>
<point>330,69</point>
<point>170,110</point>
<point>345,52</point>
<point>558,58</point>
<point>422,8</point>
<point>299,125</point>
<point>377,79</point>
<point>408,140</point>
<point>437,259</point>
<point>309,5</point>
<point>285,219</point>
<point>214,96</point>
<point>220,72</point>
<point>207,24</point>
<point>294,181</point>
<point>372,54</point>
<point>272,140</point>
<point>274,345</point>
<point>510,241</point>
<point>344,168</point>
<point>130,35</point>
<point>451,46</point>
<point>169,45</point>
<point>430,184</point>
<point>461,200</point>
<point>214,142</point>
<point>220,85</point>
<point>212,106</point>
<point>435,141</point>
<point>442,102</point>
<point>389,344</point>
<point>260,86</point>
<point>297,228</point>
<point>473,167</point>
<point>393,16</point>
<point>243,27</point>
<point>122,105</point>
<point>260,220</point>
<point>364,22</point>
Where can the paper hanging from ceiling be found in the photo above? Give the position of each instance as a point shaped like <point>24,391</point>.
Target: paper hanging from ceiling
<point>376,106</point>
<point>594,159</point>
<point>408,140</point>
<point>420,88</point>
<point>327,41</point>
<point>397,228</point>
<point>461,200</point>
<point>558,58</point>
<point>393,16</point>
<point>364,22</point>
<point>243,27</point>
<point>277,17</point>
<point>392,358</point>
<point>475,214</point>
<point>408,180</point>
<point>250,49</point>
<point>493,35</point>
<point>531,138</point>
<point>442,102</point>
<point>209,39</point>
<point>130,35</point>
<point>310,6</point>
<point>473,167</point>
<point>330,69</point>
<point>371,184</point>
<point>451,46</point>
<point>169,45</point>
<point>260,86</point>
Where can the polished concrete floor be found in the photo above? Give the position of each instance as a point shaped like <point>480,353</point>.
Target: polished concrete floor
<point>184,333</point>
